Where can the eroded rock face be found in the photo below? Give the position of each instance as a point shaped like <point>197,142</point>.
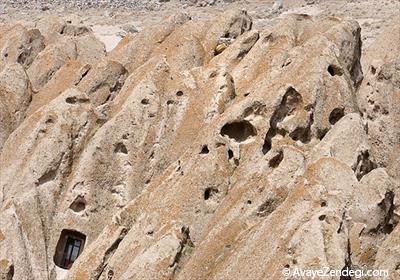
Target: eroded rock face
<point>15,97</point>
<point>378,99</point>
<point>20,45</point>
<point>199,150</point>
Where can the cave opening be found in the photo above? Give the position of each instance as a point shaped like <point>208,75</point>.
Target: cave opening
<point>240,131</point>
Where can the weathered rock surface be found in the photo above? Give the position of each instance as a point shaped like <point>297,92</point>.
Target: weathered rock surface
<point>199,150</point>
<point>113,4</point>
<point>15,96</point>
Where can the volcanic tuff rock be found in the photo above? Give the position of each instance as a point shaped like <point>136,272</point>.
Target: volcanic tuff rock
<point>199,149</point>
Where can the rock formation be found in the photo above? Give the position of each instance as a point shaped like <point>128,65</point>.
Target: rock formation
<point>198,150</point>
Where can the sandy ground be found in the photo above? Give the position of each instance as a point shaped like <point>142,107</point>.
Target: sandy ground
<point>110,26</point>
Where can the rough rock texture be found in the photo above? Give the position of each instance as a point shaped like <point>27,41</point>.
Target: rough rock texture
<point>45,5</point>
<point>200,149</point>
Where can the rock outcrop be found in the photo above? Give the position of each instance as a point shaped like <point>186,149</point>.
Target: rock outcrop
<point>198,150</point>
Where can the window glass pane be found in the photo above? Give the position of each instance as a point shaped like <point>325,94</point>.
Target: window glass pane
<point>68,251</point>
<point>68,248</point>
<point>75,252</point>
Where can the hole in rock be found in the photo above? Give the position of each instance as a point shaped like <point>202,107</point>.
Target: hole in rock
<point>336,115</point>
<point>373,70</point>
<point>230,154</point>
<point>69,247</point>
<point>145,101</point>
<point>204,150</point>
<point>6,55</point>
<point>74,100</point>
<point>301,133</point>
<point>239,131</point>
<point>170,102</point>
<point>78,205</point>
<point>71,100</point>
<point>323,204</point>
<point>179,93</point>
<point>321,133</point>
<point>322,217</point>
<point>22,57</point>
<point>289,104</point>
<point>266,208</point>
<point>364,165</point>
<point>48,177</point>
<point>49,121</point>
<point>387,205</point>
<point>120,148</point>
<point>276,160</point>
<point>209,192</point>
<point>334,70</point>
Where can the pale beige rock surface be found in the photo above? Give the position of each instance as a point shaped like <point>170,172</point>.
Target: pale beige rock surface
<point>199,149</point>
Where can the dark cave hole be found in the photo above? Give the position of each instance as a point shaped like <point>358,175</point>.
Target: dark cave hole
<point>334,70</point>
<point>209,192</point>
<point>239,131</point>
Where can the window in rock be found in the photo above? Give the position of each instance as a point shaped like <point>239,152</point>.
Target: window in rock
<point>69,247</point>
